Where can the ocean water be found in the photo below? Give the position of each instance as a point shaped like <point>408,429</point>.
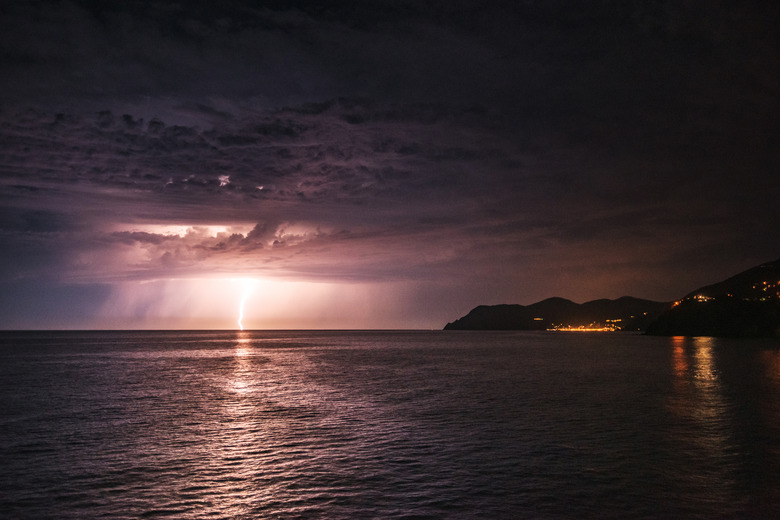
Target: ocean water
<point>390,425</point>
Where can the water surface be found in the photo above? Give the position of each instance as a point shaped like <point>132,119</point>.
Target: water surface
<point>387,425</point>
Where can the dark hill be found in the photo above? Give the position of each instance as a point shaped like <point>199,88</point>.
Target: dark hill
<point>745,305</point>
<point>625,313</point>
<point>724,317</point>
<point>753,284</point>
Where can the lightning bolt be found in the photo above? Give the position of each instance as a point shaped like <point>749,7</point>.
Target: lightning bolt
<point>242,304</point>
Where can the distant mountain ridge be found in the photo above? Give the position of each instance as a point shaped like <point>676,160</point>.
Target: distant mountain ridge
<point>744,305</point>
<point>626,313</point>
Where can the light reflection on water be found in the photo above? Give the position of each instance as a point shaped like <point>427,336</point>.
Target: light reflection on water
<point>708,434</point>
<point>230,451</point>
<point>721,391</point>
<point>388,425</point>
<point>771,360</point>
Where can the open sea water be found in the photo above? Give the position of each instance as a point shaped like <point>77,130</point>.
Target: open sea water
<point>390,425</point>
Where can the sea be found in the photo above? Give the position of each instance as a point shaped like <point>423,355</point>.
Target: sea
<point>387,425</point>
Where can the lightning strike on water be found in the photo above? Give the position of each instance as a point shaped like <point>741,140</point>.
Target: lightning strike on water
<point>242,304</point>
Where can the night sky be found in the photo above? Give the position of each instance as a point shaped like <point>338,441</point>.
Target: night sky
<point>378,164</point>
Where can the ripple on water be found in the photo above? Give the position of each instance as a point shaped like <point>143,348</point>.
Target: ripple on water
<point>387,425</point>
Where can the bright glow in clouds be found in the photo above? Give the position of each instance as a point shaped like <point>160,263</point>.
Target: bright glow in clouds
<point>210,303</point>
<point>182,230</point>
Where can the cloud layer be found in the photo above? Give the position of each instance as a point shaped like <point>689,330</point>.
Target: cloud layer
<point>483,154</point>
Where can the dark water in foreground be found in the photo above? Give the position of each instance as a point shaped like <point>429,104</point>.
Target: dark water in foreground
<point>387,425</point>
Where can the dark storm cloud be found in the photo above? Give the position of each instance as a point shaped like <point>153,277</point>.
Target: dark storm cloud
<point>280,155</point>
<point>521,149</point>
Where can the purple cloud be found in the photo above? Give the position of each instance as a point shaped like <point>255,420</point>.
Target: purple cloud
<point>499,152</point>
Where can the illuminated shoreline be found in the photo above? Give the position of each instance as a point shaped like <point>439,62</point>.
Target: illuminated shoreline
<point>583,329</point>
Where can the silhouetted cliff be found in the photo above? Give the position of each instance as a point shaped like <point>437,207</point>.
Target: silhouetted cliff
<point>625,313</point>
<point>728,317</point>
<point>745,305</point>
